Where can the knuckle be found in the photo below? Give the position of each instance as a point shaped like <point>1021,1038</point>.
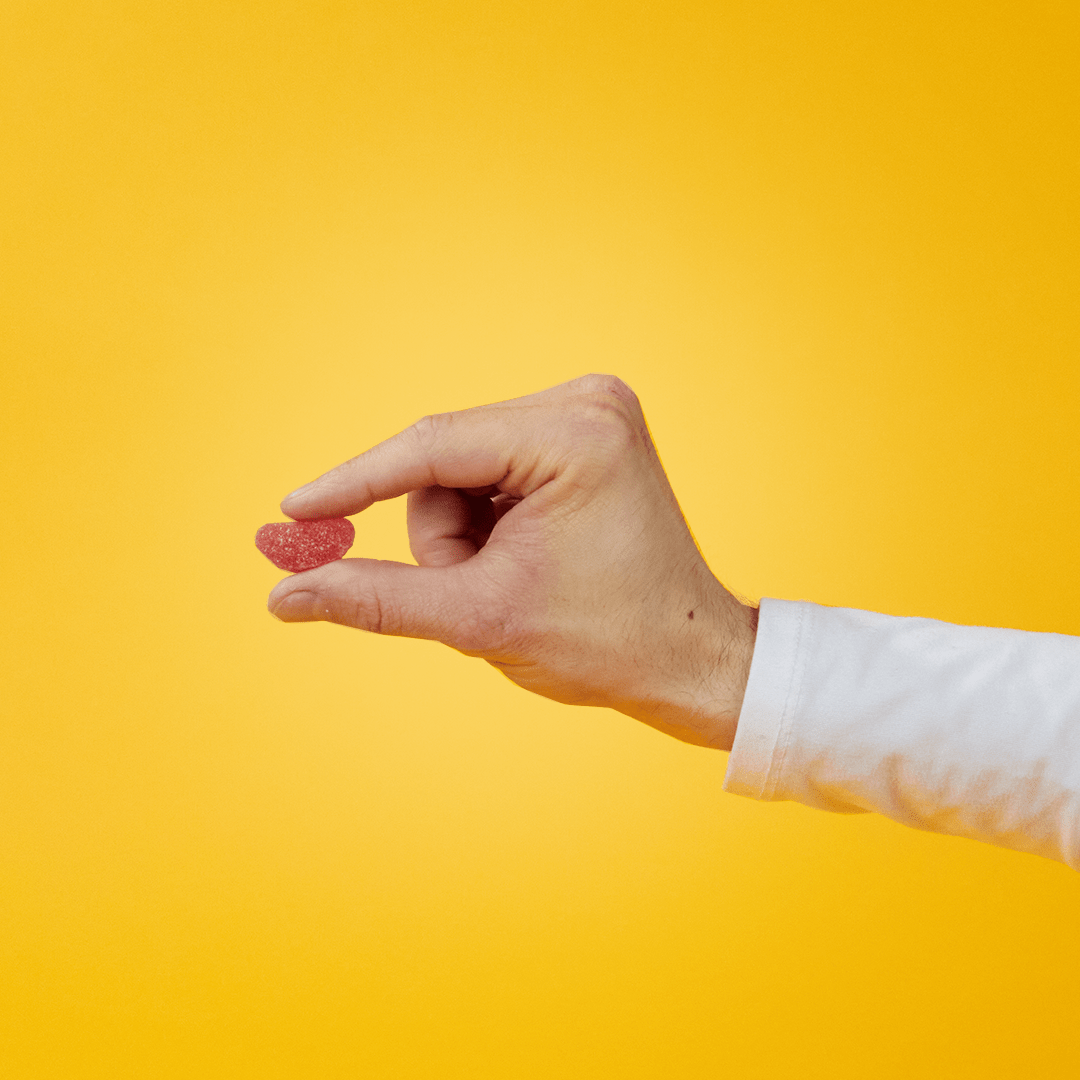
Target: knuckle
<point>366,611</point>
<point>430,431</point>
<point>608,422</point>
<point>476,633</point>
<point>484,629</point>
<point>607,387</point>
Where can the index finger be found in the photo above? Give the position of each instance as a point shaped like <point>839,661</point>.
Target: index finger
<point>476,448</point>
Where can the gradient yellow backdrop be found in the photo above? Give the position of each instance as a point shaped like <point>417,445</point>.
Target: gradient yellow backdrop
<point>833,246</point>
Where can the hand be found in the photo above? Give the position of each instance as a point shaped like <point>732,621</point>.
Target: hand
<point>550,544</point>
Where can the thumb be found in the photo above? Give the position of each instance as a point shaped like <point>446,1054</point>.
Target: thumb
<point>384,597</point>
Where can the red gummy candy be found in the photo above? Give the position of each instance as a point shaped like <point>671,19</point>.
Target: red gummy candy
<point>303,545</point>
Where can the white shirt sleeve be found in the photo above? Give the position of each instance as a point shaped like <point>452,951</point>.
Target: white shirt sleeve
<point>967,730</point>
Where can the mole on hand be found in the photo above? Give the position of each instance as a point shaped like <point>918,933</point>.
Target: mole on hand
<point>303,545</point>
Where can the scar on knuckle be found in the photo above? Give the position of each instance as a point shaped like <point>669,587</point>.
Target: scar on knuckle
<point>607,423</point>
<point>607,387</point>
<point>608,409</point>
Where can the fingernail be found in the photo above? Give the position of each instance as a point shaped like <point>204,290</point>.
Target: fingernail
<point>299,491</point>
<point>296,607</point>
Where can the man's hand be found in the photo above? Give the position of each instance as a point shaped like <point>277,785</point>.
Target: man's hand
<point>550,544</point>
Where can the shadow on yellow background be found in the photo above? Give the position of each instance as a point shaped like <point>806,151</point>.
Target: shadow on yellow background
<point>832,246</point>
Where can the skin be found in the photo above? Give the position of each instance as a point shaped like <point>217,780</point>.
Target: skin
<point>550,544</point>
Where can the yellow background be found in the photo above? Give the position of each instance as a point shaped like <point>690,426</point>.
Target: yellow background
<point>833,246</point>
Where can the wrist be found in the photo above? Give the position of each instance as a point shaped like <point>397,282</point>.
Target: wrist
<point>736,664</point>
<point>698,695</point>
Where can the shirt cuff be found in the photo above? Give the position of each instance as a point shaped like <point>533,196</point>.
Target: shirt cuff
<point>771,700</point>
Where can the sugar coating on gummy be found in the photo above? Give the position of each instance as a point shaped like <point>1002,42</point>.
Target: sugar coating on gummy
<point>303,545</point>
